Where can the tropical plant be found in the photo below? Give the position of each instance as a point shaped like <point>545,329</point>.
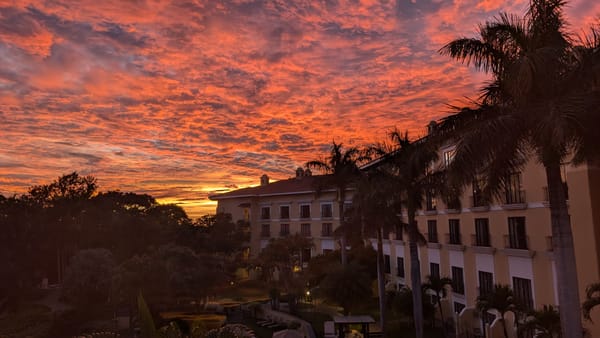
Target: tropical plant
<point>501,299</point>
<point>342,167</point>
<point>374,211</point>
<point>592,299</point>
<point>544,323</point>
<point>410,162</point>
<point>346,285</point>
<point>438,286</point>
<point>542,100</point>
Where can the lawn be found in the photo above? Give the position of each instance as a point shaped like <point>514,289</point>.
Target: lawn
<point>30,320</point>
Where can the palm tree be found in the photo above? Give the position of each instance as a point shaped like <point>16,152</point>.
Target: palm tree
<point>342,165</point>
<point>438,285</point>
<point>592,299</point>
<point>537,102</point>
<point>545,323</point>
<point>500,299</point>
<point>374,211</point>
<point>411,164</point>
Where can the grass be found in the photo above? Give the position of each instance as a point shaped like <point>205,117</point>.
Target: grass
<point>30,320</point>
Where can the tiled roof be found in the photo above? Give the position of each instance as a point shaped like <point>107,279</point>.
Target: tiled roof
<point>304,184</point>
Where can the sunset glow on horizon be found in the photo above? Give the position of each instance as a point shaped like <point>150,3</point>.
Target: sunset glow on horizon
<point>183,99</point>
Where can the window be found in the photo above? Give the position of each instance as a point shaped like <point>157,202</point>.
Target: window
<point>284,230</point>
<point>326,211</point>
<point>434,270</point>
<point>458,307</point>
<point>486,283</point>
<point>305,229</point>
<point>430,202</point>
<point>513,192</point>
<point>478,200</point>
<point>522,291</point>
<point>454,227</point>
<point>399,230</point>
<point>449,157</point>
<point>517,237</point>
<point>387,268</point>
<point>482,232</point>
<point>265,213</point>
<point>306,255</point>
<point>400,264</point>
<point>284,212</point>
<point>326,230</point>
<point>432,234</point>
<point>458,282</point>
<point>265,230</point>
<point>305,211</point>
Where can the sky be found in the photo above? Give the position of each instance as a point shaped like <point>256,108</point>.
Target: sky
<point>181,99</point>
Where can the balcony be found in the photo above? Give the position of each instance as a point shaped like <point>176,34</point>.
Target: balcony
<point>265,234</point>
<point>454,242</point>
<point>517,246</point>
<point>432,240</point>
<point>453,207</point>
<point>482,244</point>
<point>479,204</point>
<point>514,200</point>
<point>326,233</point>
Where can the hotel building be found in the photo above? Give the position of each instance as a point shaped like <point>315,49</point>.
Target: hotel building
<point>477,243</point>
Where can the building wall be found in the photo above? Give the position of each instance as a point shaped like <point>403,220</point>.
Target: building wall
<point>537,262</point>
<point>258,240</point>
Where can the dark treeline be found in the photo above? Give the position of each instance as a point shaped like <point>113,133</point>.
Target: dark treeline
<point>123,242</point>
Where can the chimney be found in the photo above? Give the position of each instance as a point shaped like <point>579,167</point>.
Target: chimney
<point>431,127</point>
<point>264,180</point>
<point>299,172</point>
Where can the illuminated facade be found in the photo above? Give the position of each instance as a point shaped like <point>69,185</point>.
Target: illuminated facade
<point>294,206</point>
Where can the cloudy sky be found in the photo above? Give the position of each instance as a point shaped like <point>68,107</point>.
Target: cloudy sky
<point>180,99</point>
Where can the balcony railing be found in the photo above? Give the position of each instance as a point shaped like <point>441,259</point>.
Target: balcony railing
<point>432,237</point>
<point>453,238</point>
<point>265,234</point>
<point>478,201</point>
<point>480,240</point>
<point>514,197</point>
<point>516,242</point>
<point>326,233</point>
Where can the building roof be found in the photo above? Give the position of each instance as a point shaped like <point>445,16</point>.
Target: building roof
<point>296,185</point>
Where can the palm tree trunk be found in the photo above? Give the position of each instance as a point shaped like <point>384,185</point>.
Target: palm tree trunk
<point>415,272</point>
<point>343,238</point>
<point>504,326</point>
<point>564,254</point>
<point>380,280</point>
<point>439,302</point>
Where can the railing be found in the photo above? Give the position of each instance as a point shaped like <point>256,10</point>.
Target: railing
<point>478,201</point>
<point>453,205</point>
<point>265,234</point>
<point>284,233</point>
<point>480,240</point>
<point>305,233</point>
<point>516,242</point>
<point>326,233</point>
<point>432,237</point>
<point>453,238</point>
<point>514,196</point>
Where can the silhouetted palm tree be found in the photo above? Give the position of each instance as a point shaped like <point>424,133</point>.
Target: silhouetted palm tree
<point>500,299</point>
<point>342,165</point>
<point>544,323</point>
<point>411,163</point>
<point>438,286</point>
<point>374,210</point>
<point>538,102</point>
